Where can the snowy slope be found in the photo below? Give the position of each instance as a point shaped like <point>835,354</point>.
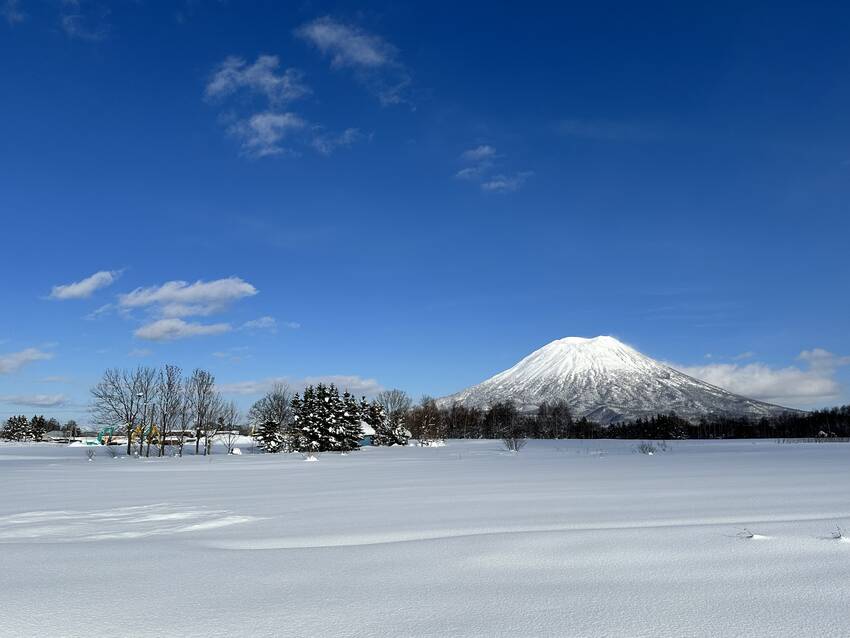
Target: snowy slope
<point>606,381</point>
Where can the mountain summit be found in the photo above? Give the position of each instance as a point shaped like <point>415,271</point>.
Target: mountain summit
<point>605,380</point>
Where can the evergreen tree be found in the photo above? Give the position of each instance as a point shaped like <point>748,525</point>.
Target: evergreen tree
<point>269,437</point>
<point>308,435</point>
<point>38,428</point>
<point>17,428</point>
<point>352,427</point>
<point>388,430</point>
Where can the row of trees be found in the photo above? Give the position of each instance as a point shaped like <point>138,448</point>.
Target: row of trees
<point>427,421</point>
<point>19,428</point>
<point>322,420</point>
<point>157,407</point>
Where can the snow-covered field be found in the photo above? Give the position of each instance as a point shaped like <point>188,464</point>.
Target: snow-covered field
<point>567,538</point>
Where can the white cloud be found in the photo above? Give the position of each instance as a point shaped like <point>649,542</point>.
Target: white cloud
<point>138,353</point>
<point>481,160</point>
<point>471,172</point>
<point>482,152</point>
<point>749,354</point>
<point>294,325</point>
<point>356,385</point>
<point>788,386</point>
<point>182,299</point>
<point>348,46</point>
<point>263,323</point>
<point>14,361</point>
<point>373,59</point>
<point>11,10</point>
<point>506,183</point>
<point>327,144</point>
<point>173,329</point>
<point>235,75</point>
<point>85,287</point>
<point>35,400</point>
<point>98,312</point>
<point>261,133</point>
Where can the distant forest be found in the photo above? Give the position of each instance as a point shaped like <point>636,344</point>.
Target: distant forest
<point>555,421</point>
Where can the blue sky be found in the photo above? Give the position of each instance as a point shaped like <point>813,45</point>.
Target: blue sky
<point>416,195</point>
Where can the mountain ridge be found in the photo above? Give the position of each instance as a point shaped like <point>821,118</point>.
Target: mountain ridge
<point>607,381</point>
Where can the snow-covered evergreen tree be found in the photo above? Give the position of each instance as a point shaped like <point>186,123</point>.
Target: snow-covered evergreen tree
<point>352,427</point>
<point>388,430</point>
<point>269,437</point>
<point>17,428</point>
<point>38,428</point>
<point>308,435</point>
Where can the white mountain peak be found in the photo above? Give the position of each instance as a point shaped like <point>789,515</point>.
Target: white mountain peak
<point>604,379</point>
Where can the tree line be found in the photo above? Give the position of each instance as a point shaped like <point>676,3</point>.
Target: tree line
<point>19,428</point>
<point>160,409</point>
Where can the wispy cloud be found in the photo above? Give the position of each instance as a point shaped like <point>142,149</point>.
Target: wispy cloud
<point>326,144</point>
<point>373,60</point>
<point>262,77</point>
<point>84,20</point>
<point>173,329</point>
<point>480,164</point>
<point>139,353</point>
<point>14,361</point>
<point>182,299</point>
<point>35,400</point>
<point>263,323</point>
<point>85,287</point>
<point>353,383</point>
<point>11,11</point>
<point>261,134</point>
<point>788,385</point>
<point>506,183</point>
<point>479,153</point>
<point>263,128</point>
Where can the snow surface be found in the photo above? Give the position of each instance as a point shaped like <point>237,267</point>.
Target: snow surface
<point>605,380</point>
<point>566,538</point>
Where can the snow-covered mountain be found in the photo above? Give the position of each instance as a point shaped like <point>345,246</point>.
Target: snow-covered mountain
<point>606,381</point>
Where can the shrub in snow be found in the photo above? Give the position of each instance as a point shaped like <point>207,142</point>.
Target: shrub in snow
<point>646,448</point>
<point>513,443</point>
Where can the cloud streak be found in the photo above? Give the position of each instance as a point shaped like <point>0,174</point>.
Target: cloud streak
<point>480,162</point>
<point>174,329</point>
<point>14,361</point>
<point>85,287</point>
<point>182,299</point>
<point>373,60</point>
<point>35,400</point>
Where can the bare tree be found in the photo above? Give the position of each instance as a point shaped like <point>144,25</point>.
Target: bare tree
<point>394,402</point>
<point>147,393</point>
<point>118,399</point>
<point>215,421</point>
<point>275,407</point>
<point>229,417</point>
<point>201,395</point>
<point>170,403</point>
